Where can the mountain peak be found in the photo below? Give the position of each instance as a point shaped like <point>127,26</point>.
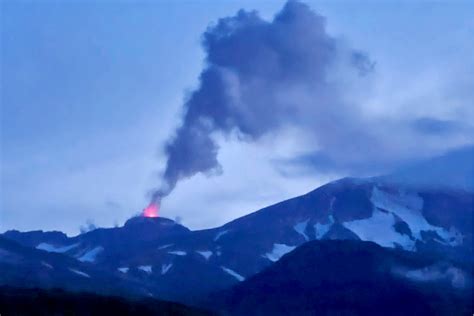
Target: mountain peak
<point>142,220</point>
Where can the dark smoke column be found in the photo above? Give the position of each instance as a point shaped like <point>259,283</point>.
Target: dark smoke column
<point>250,65</point>
<point>191,151</point>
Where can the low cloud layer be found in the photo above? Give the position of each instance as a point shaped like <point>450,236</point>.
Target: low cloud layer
<point>436,273</point>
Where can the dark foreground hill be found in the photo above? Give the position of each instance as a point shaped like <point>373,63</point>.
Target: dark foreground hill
<point>352,278</point>
<point>58,302</point>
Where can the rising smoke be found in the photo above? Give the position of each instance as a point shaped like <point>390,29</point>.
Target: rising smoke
<point>261,76</point>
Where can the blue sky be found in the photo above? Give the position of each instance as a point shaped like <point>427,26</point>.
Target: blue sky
<point>92,90</point>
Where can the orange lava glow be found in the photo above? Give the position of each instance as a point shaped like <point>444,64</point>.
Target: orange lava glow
<point>151,210</point>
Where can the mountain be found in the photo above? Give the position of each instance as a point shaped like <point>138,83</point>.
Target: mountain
<point>160,257</point>
<point>352,278</point>
<point>159,254</point>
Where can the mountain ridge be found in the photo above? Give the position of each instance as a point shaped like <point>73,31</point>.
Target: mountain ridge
<point>158,253</point>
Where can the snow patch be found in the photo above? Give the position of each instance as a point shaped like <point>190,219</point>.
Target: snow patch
<point>90,255</point>
<point>408,207</point>
<point>123,269</point>
<point>220,234</point>
<point>278,251</point>
<point>165,246</point>
<point>380,229</point>
<point>321,229</point>
<point>47,265</point>
<point>147,269</point>
<point>51,248</point>
<point>165,268</point>
<point>301,228</point>
<point>80,273</point>
<point>205,254</point>
<point>177,253</point>
<point>453,237</point>
<point>233,273</point>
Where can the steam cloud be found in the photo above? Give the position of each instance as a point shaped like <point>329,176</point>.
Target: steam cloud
<point>260,77</point>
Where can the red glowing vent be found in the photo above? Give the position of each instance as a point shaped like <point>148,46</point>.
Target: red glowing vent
<point>151,210</point>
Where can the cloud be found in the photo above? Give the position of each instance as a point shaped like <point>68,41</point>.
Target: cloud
<point>434,126</point>
<point>88,226</point>
<point>262,77</point>
<point>440,272</point>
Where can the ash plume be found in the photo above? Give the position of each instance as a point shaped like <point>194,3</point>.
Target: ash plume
<point>261,76</point>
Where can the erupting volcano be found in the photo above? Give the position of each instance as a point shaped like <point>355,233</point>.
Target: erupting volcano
<point>151,210</point>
